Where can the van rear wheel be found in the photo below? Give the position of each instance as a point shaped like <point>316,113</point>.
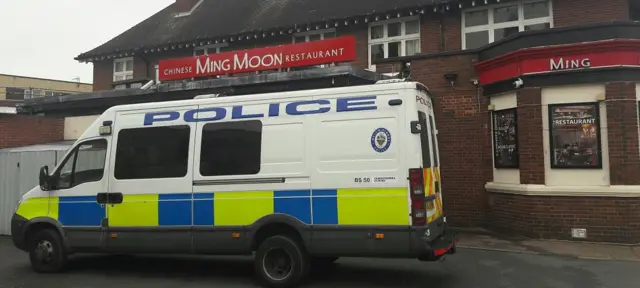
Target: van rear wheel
<point>47,253</point>
<point>281,262</point>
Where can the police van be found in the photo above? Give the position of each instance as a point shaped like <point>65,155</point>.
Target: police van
<point>297,178</point>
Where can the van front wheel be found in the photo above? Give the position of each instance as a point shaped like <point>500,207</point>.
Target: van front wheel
<point>281,262</point>
<point>47,253</point>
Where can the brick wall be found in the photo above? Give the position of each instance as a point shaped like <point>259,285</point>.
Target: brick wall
<point>530,136</point>
<point>102,75</point>
<point>40,130</point>
<point>622,129</point>
<point>571,12</point>
<point>606,219</point>
<point>464,136</point>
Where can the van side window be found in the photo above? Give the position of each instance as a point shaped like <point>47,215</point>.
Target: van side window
<point>85,164</point>
<point>154,152</point>
<point>231,148</point>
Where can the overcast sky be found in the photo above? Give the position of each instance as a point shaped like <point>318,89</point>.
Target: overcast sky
<point>40,38</point>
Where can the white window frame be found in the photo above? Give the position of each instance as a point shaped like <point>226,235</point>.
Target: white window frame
<point>126,74</point>
<point>210,49</point>
<point>386,40</point>
<point>307,34</point>
<point>491,27</point>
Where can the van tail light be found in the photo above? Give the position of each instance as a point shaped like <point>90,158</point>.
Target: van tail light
<point>416,186</point>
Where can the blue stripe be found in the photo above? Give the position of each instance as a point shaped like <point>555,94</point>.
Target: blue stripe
<point>325,207</point>
<point>294,203</point>
<point>203,209</point>
<point>174,210</point>
<point>80,211</point>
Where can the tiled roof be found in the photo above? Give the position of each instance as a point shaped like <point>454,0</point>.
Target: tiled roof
<point>218,18</point>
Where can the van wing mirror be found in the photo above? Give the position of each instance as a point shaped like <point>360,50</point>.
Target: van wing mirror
<point>44,178</point>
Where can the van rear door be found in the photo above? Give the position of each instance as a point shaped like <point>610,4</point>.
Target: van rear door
<point>430,157</point>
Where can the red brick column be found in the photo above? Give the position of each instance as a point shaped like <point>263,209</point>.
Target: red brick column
<point>622,122</point>
<point>530,136</point>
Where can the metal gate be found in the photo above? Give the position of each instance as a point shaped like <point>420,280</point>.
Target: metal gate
<point>19,170</point>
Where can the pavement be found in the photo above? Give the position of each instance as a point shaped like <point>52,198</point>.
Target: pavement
<point>487,240</point>
<point>483,260</point>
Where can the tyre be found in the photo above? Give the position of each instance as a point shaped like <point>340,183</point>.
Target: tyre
<point>47,253</point>
<point>281,262</point>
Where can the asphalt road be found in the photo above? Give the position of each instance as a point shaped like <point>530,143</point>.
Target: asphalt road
<point>466,269</point>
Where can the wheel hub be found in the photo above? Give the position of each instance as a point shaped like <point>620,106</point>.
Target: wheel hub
<point>44,251</point>
<point>277,264</point>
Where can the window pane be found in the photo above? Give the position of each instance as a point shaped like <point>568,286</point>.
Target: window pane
<point>224,49</point>
<point>377,32</point>
<point>574,135</point>
<point>232,148</point>
<point>395,49</point>
<point>300,39</point>
<point>476,39</point>
<point>505,14</point>
<point>149,153</point>
<point>425,145</point>
<point>64,176</point>
<point>199,52</point>
<point>413,47</point>
<point>129,65</point>
<point>504,32</point>
<point>536,10</point>
<point>329,35</point>
<point>394,29</point>
<point>412,27</point>
<point>505,144</point>
<point>315,37</point>
<point>128,77</point>
<point>476,18</point>
<point>90,162</point>
<point>540,26</point>
<point>118,78</point>
<point>377,52</point>
<point>119,66</point>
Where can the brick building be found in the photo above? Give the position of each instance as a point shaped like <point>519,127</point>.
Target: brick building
<point>537,99</point>
<point>14,90</point>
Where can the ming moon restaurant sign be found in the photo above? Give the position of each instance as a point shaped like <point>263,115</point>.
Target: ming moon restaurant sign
<point>341,49</point>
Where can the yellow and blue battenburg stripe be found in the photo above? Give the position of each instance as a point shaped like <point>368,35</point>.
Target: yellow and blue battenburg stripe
<point>372,206</point>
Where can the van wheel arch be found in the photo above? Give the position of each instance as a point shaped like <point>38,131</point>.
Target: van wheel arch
<point>39,224</point>
<point>277,224</point>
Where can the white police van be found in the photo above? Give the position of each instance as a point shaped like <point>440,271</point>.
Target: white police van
<point>298,178</point>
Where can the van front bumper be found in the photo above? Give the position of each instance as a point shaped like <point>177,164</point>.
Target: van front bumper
<point>17,231</point>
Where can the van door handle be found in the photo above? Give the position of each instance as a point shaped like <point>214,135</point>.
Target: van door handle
<point>109,198</point>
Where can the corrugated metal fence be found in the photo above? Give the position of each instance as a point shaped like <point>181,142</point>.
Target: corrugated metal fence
<point>19,171</point>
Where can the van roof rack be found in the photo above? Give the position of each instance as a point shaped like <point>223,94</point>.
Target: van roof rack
<point>98,101</point>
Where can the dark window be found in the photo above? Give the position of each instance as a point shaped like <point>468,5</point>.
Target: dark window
<point>436,161</point>
<point>151,153</point>
<point>505,139</point>
<point>15,93</point>
<point>424,140</point>
<point>85,164</point>
<point>575,136</point>
<point>231,148</point>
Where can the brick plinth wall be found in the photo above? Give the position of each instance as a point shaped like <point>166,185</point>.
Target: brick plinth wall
<point>530,136</point>
<point>21,130</point>
<point>622,122</point>
<point>606,219</point>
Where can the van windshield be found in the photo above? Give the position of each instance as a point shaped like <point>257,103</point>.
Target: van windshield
<point>424,140</point>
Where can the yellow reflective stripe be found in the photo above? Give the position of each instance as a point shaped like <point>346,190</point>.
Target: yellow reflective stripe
<point>377,206</point>
<point>34,207</point>
<point>135,211</point>
<point>241,208</point>
<point>53,207</point>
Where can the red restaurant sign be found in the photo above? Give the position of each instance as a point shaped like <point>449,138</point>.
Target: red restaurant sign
<point>342,49</point>
<point>591,55</point>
